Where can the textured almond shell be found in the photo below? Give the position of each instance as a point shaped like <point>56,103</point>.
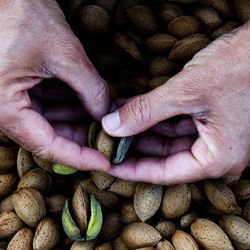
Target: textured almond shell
<point>47,234</point>
<point>24,162</point>
<point>139,234</point>
<point>22,240</point>
<point>10,224</point>
<point>210,236</point>
<point>237,229</point>
<point>147,200</point>
<point>83,245</point>
<point>123,188</point>
<point>220,195</point>
<point>80,208</point>
<point>128,213</point>
<point>184,26</point>
<point>102,179</point>
<point>7,158</point>
<point>166,228</point>
<point>29,205</point>
<point>186,48</point>
<point>104,246</point>
<point>242,9</point>
<point>118,244</point>
<point>105,144</point>
<point>6,204</point>
<point>8,184</point>
<point>176,201</point>
<point>182,240</point>
<point>36,178</point>
<point>164,245</point>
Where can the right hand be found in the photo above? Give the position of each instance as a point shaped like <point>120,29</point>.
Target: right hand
<point>213,90</point>
<point>37,44</point>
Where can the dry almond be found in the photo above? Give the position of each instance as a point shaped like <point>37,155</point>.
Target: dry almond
<point>209,17</point>
<point>29,205</point>
<point>80,208</point>
<point>159,42</point>
<point>182,240</point>
<point>147,200</point>
<point>36,178</point>
<point>164,245</point>
<point>6,204</point>
<point>47,234</point>
<point>139,234</point>
<point>10,224</point>
<point>25,162</point>
<point>4,140</point>
<point>128,213</point>
<point>210,236</point>
<point>166,228</point>
<point>187,219</point>
<point>162,66</point>
<point>7,184</point>
<point>102,179</point>
<point>123,188</point>
<point>46,165</point>
<point>7,158</point>
<point>237,229</point>
<point>128,45</point>
<point>105,144</point>
<point>22,240</point>
<point>184,26</point>
<point>223,6</point>
<point>176,201</point>
<point>242,190</point>
<point>94,20</point>
<point>169,11</point>
<point>220,195</point>
<point>231,180</point>
<point>142,19</point>
<point>186,48</point>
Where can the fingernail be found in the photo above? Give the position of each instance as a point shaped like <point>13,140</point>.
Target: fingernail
<point>111,122</point>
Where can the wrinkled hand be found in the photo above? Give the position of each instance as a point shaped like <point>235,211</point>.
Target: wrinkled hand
<point>213,89</point>
<point>37,44</point>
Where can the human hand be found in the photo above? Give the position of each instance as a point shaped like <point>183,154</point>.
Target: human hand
<point>213,89</point>
<point>36,44</point>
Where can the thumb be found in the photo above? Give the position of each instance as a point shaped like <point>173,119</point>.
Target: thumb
<point>144,111</point>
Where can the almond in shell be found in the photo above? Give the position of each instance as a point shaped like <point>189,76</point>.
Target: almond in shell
<point>102,179</point>
<point>182,240</point>
<point>237,229</point>
<point>242,9</point>
<point>22,240</point>
<point>6,204</point>
<point>25,162</point>
<point>8,157</point>
<point>29,205</point>
<point>123,188</point>
<point>47,234</point>
<point>169,11</point>
<point>7,184</point>
<point>164,245</point>
<point>10,224</point>
<point>176,201</point>
<point>147,200</point>
<point>166,228</point>
<point>139,234</point>
<point>210,236</point>
<point>184,26</point>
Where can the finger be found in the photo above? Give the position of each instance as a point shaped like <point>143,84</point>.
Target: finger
<point>31,130</point>
<point>158,146</point>
<point>181,127</point>
<point>75,69</point>
<point>73,132</point>
<point>177,168</point>
<point>143,112</point>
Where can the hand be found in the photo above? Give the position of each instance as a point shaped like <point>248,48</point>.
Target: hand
<point>213,89</point>
<point>37,44</point>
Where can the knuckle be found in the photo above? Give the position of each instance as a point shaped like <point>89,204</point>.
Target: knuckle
<point>140,109</point>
